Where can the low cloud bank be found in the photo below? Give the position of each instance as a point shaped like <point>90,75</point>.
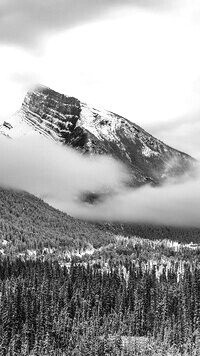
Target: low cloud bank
<point>60,175</point>
<point>173,204</point>
<point>46,169</point>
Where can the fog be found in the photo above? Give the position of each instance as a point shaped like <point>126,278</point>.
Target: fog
<point>59,175</point>
<point>171,204</point>
<point>46,169</point>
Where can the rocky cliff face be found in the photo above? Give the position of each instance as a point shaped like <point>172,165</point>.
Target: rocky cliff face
<point>67,120</point>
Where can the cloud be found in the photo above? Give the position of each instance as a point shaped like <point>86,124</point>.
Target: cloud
<point>25,22</point>
<point>26,79</point>
<point>171,204</point>
<point>60,176</point>
<point>44,168</point>
<point>180,132</point>
<point>177,122</point>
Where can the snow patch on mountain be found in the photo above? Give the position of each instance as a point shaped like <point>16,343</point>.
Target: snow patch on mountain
<point>148,152</point>
<point>16,127</point>
<point>87,121</point>
<point>101,123</point>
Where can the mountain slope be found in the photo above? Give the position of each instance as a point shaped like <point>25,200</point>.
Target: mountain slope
<point>67,120</point>
<point>28,222</point>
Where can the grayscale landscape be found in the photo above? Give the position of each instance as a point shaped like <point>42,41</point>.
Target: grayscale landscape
<point>99,178</point>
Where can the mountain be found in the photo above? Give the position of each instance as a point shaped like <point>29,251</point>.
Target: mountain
<point>26,222</point>
<point>29,225</point>
<point>92,131</point>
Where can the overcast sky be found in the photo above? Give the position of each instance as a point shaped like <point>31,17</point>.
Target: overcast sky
<point>139,58</point>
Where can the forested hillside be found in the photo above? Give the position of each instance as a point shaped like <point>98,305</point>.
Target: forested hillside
<point>28,222</point>
<point>153,232</point>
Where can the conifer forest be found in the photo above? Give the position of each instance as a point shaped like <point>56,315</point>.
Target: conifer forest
<point>80,290</point>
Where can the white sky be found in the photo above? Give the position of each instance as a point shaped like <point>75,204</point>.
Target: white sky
<point>141,64</point>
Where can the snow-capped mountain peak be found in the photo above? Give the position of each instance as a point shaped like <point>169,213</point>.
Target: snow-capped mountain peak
<point>89,130</point>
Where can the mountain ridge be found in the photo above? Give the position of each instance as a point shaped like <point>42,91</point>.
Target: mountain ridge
<point>67,120</point>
